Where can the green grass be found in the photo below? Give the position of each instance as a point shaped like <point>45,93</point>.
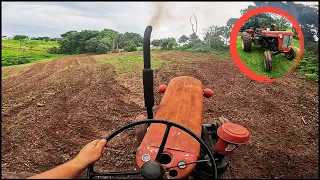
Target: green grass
<point>139,48</point>
<point>218,53</point>
<point>10,49</point>
<point>42,45</point>
<point>254,60</point>
<point>308,66</point>
<point>131,63</point>
<point>295,43</point>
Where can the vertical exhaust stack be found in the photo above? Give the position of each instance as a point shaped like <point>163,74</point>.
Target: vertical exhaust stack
<point>147,74</point>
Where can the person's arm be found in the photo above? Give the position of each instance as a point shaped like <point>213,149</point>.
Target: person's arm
<point>73,168</point>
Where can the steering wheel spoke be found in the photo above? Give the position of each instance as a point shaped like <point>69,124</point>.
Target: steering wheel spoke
<point>163,143</point>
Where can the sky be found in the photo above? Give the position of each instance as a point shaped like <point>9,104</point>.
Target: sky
<point>55,18</point>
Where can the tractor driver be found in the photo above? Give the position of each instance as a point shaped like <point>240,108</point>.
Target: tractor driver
<point>74,167</point>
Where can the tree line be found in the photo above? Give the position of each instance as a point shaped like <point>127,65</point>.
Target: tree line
<point>25,37</point>
<point>215,38</point>
<point>93,41</point>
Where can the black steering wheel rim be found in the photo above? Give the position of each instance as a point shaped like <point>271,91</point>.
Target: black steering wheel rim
<point>168,124</point>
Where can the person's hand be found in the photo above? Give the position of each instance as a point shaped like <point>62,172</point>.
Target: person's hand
<point>90,153</point>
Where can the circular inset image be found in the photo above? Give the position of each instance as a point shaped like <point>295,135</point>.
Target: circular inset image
<point>266,44</point>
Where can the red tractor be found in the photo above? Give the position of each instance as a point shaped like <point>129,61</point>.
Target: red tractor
<point>275,41</point>
<point>174,143</point>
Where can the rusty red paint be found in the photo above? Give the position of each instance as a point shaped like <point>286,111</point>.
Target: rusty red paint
<point>182,103</point>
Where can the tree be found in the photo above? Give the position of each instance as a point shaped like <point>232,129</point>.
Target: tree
<point>102,48</point>
<point>212,33</point>
<point>130,46</point>
<point>136,38</point>
<point>68,33</point>
<point>250,7</point>
<point>307,16</point>
<point>88,41</point>
<point>194,38</point>
<point>20,37</point>
<point>282,23</point>
<point>117,40</point>
<point>225,33</point>
<point>112,36</point>
<point>183,39</point>
<point>168,43</point>
<point>91,45</point>
<point>231,22</point>
<point>46,39</point>
<point>156,42</point>
<point>192,24</point>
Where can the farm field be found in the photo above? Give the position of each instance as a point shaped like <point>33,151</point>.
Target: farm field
<point>50,110</point>
<point>38,51</point>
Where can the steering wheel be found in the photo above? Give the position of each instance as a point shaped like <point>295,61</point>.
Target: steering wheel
<point>154,169</point>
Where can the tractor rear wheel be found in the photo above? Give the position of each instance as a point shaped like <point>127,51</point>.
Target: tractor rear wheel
<point>246,42</point>
<point>290,54</point>
<point>267,61</point>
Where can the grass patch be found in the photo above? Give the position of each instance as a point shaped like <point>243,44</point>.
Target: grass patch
<point>41,45</point>
<point>309,66</point>
<point>204,51</point>
<point>295,43</point>
<point>254,60</point>
<point>132,63</point>
<point>10,54</point>
<point>139,48</point>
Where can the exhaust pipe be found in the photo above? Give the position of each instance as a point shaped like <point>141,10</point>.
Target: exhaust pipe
<point>147,74</point>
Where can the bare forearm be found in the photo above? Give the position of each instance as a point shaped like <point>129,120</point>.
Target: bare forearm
<point>73,168</point>
<point>69,170</point>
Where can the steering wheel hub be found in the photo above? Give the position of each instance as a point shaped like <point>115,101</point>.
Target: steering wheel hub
<point>152,170</point>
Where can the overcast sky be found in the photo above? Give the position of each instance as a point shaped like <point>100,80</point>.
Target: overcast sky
<point>54,18</point>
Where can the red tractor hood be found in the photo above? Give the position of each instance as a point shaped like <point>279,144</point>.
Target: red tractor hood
<point>276,33</point>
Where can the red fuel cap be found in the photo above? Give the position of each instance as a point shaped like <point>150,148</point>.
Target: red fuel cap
<point>233,133</point>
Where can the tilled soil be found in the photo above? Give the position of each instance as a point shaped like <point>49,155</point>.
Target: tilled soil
<point>50,110</point>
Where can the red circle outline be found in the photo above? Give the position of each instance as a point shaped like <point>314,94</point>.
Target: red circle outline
<point>234,34</point>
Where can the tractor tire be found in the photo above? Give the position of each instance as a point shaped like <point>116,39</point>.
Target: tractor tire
<point>291,54</point>
<point>246,42</point>
<point>267,61</point>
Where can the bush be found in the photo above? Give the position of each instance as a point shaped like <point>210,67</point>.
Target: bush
<point>54,50</point>
<point>170,45</point>
<point>201,50</point>
<point>309,65</point>
<point>313,76</point>
<point>78,50</point>
<point>115,51</point>
<point>130,47</point>
<point>313,47</point>
<point>102,48</point>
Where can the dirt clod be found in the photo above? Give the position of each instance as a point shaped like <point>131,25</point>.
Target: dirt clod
<point>40,104</point>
